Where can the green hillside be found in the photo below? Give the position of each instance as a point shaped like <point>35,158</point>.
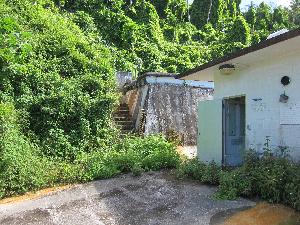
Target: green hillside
<point>58,60</point>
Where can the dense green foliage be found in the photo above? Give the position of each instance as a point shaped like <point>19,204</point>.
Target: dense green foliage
<point>24,167</point>
<point>207,174</point>
<point>57,95</point>
<point>150,35</point>
<point>57,85</point>
<point>60,80</point>
<point>272,178</point>
<point>129,155</point>
<point>213,11</point>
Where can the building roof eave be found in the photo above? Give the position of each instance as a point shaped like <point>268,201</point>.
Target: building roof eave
<point>263,44</point>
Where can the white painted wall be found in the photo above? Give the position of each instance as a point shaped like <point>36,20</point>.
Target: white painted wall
<point>262,81</point>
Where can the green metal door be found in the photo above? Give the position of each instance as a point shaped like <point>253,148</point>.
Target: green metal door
<point>210,131</point>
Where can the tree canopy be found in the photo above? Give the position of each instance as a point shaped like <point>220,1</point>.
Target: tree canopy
<point>58,57</point>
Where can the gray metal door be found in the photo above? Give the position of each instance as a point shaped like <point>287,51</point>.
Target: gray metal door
<point>234,131</point>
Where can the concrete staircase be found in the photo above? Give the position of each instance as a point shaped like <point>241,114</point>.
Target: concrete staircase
<point>123,120</point>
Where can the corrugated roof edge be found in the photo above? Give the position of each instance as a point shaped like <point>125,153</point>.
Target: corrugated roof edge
<point>261,45</point>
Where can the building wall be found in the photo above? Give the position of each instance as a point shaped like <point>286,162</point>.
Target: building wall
<point>265,115</point>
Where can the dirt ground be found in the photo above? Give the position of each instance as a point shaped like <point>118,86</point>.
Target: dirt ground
<point>265,214</point>
<point>154,198</point>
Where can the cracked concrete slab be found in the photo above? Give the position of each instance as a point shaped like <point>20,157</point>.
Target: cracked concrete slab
<point>152,199</point>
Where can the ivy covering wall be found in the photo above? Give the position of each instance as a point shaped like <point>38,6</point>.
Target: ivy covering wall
<point>58,60</point>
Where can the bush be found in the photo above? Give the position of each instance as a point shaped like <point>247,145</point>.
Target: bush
<point>153,153</point>
<point>97,165</point>
<point>233,184</point>
<point>21,167</point>
<point>60,76</point>
<point>133,154</point>
<point>191,168</point>
<point>272,177</point>
<point>137,170</point>
<point>291,195</point>
<point>207,174</point>
<point>211,174</point>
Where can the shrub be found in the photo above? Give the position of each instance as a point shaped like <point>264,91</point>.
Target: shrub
<point>21,167</point>
<point>207,174</point>
<point>133,154</point>
<point>60,76</point>
<point>97,165</point>
<point>191,168</point>
<point>233,184</point>
<point>271,174</point>
<point>24,168</point>
<point>211,174</point>
<point>163,159</point>
<point>272,177</point>
<point>291,195</point>
<point>153,152</point>
<point>137,169</point>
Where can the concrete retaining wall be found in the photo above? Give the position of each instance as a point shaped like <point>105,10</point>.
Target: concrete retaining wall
<point>168,105</point>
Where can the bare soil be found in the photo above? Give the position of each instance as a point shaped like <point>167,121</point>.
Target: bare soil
<point>264,214</point>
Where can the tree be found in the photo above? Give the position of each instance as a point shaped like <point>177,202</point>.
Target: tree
<point>281,16</point>
<point>199,12</point>
<point>264,17</point>
<point>160,6</point>
<point>217,11</point>
<point>234,7</point>
<point>250,15</point>
<point>207,11</point>
<point>178,8</point>
<point>295,8</point>
<point>240,31</point>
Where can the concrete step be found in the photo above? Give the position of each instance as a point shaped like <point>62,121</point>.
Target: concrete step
<point>123,107</point>
<point>122,118</point>
<point>125,127</point>
<point>123,110</point>
<point>122,114</point>
<point>124,122</point>
<point>127,131</point>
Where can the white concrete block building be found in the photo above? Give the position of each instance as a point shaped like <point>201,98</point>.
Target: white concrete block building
<point>256,97</point>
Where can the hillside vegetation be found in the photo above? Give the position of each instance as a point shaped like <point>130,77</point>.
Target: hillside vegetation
<point>58,59</point>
